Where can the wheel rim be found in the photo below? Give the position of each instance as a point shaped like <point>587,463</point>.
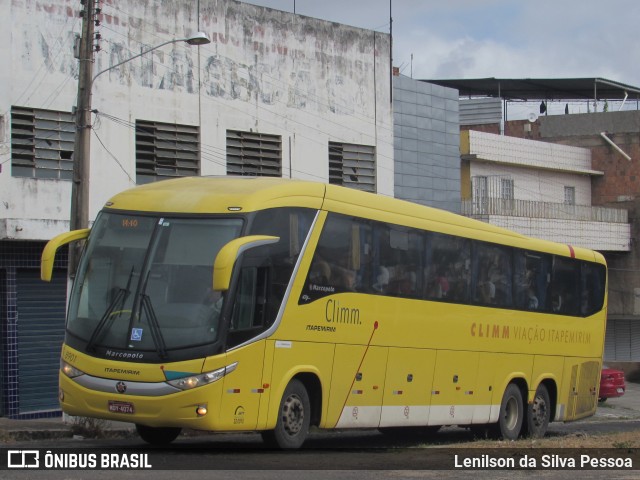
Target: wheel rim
<point>539,411</point>
<point>511,413</point>
<point>293,414</point>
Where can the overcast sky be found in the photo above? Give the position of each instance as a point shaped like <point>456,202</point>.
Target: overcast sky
<point>497,38</point>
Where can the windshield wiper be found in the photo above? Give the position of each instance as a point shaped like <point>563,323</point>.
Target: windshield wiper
<point>156,333</point>
<point>107,316</point>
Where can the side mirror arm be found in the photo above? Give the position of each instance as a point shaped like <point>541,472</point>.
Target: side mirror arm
<point>50,249</point>
<point>227,256</point>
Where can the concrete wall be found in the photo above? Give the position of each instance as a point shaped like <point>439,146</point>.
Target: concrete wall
<point>540,170</point>
<point>427,144</point>
<point>272,72</point>
<point>619,187</point>
<point>536,185</point>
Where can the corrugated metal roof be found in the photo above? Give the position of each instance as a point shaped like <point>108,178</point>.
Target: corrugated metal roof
<point>541,88</point>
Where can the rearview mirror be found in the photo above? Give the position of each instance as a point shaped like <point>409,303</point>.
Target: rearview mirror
<point>227,256</point>
<point>50,249</point>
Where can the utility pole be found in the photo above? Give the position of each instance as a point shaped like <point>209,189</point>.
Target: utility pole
<point>81,151</point>
<point>390,52</point>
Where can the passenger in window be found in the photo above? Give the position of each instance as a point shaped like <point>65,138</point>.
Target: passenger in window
<point>320,272</point>
<point>458,282</point>
<point>442,282</point>
<point>403,282</point>
<point>522,281</point>
<point>498,278</point>
<point>488,291</point>
<point>343,278</point>
<point>556,302</point>
<point>382,280</point>
<point>532,300</point>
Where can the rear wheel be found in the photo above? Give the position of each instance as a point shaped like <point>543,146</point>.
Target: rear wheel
<point>511,413</point>
<point>158,435</point>
<point>539,413</point>
<point>294,417</point>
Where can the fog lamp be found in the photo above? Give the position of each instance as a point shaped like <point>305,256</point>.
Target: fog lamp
<point>201,410</point>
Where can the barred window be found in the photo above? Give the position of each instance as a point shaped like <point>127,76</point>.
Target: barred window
<point>570,195</point>
<point>352,166</point>
<point>41,143</point>
<point>506,189</point>
<point>166,150</point>
<point>254,154</point>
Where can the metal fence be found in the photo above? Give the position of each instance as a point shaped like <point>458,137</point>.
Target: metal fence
<point>531,209</point>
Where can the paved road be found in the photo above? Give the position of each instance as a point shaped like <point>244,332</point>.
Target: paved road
<point>362,455</point>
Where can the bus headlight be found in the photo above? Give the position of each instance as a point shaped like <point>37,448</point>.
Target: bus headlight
<point>69,370</point>
<point>187,383</point>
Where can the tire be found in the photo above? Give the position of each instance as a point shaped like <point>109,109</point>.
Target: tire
<point>539,413</point>
<point>511,413</point>
<point>158,435</point>
<point>294,418</point>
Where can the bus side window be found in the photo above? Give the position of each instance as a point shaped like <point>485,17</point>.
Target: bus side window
<point>530,280</point>
<point>343,258</point>
<point>401,255</point>
<point>592,282</point>
<point>249,315</point>
<point>493,279</point>
<point>565,286</point>
<point>446,270</point>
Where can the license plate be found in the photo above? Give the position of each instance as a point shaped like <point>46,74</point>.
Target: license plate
<point>121,407</point>
<point>620,390</point>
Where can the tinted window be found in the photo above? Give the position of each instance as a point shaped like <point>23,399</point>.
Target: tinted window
<point>379,258</point>
<point>531,280</point>
<point>447,268</point>
<point>492,275</point>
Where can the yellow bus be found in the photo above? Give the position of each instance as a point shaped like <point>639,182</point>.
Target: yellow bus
<point>271,305</point>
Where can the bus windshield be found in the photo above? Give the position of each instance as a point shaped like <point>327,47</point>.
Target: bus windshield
<point>145,283</point>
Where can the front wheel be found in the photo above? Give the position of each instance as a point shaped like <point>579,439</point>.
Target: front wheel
<point>158,435</point>
<point>294,418</point>
<point>511,413</point>
<point>539,413</point>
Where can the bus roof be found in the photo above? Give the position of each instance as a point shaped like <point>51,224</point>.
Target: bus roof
<point>222,195</point>
<point>219,195</point>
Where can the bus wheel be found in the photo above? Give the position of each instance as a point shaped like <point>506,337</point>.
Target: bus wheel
<point>511,413</point>
<point>294,417</point>
<point>539,413</point>
<point>158,435</point>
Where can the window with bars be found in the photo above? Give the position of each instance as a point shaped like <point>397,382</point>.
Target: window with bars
<point>352,166</point>
<point>166,150</point>
<point>254,154</point>
<point>570,195</point>
<point>506,189</point>
<point>41,143</point>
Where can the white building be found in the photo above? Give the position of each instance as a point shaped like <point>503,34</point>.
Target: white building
<point>273,94</point>
<point>539,189</point>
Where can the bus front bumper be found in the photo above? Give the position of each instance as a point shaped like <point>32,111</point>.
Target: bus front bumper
<point>185,409</point>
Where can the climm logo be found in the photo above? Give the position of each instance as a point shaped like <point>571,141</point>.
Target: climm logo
<point>335,313</point>
<point>488,330</point>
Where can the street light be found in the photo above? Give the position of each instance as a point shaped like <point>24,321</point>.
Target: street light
<point>198,38</point>
<point>80,185</point>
